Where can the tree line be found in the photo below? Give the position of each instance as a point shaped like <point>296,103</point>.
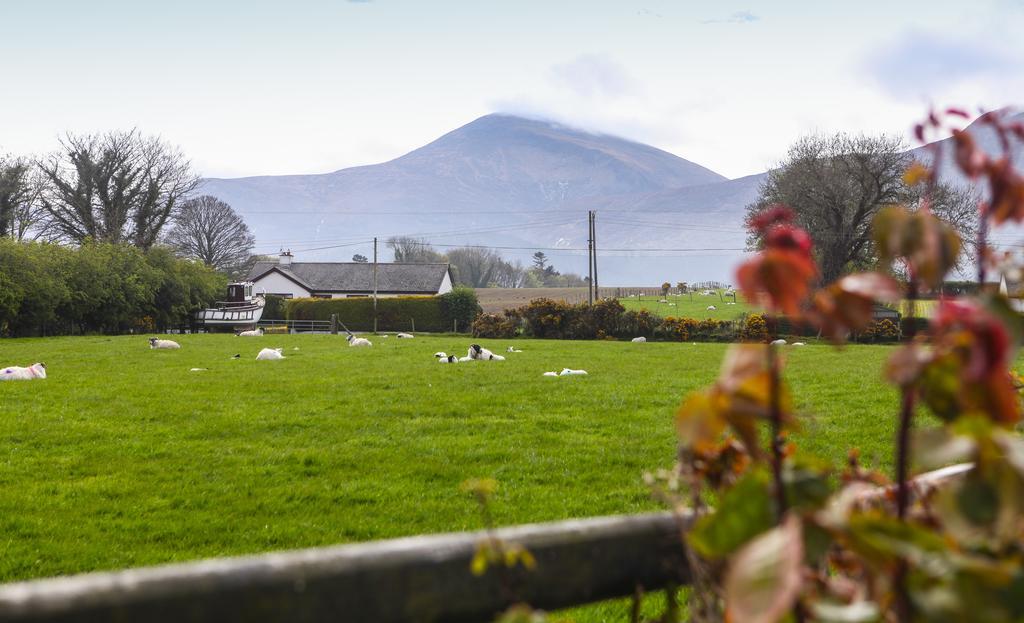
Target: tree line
<point>480,267</point>
<point>120,188</point>
<point>99,287</point>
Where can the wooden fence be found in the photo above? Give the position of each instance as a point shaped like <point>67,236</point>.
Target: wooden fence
<point>421,579</point>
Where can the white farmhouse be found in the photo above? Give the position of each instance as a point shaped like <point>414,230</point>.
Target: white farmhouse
<point>333,280</point>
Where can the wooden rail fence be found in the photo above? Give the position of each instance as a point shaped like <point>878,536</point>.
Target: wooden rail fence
<point>420,579</point>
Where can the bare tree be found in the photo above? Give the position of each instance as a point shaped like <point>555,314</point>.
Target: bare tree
<point>19,199</point>
<point>835,185</point>
<point>114,187</point>
<point>413,250</point>
<point>209,230</point>
<point>475,267</point>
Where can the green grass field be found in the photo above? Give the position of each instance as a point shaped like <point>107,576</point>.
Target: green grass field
<point>122,457</point>
<point>690,306</point>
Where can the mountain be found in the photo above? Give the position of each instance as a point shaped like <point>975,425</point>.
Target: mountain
<point>500,180</point>
<point>521,185</point>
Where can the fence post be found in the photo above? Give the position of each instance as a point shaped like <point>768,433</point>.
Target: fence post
<point>413,324</point>
<point>334,324</point>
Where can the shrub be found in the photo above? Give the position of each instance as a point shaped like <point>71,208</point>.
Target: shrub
<point>460,307</point>
<point>676,329</point>
<point>637,323</point>
<point>884,330</point>
<point>275,307</point>
<point>494,326</point>
<point>755,329</point>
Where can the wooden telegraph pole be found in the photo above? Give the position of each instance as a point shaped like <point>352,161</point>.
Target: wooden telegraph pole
<point>590,257</point>
<point>374,284</point>
<point>593,244</point>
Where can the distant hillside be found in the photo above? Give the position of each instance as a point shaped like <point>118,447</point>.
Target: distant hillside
<point>505,180</point>
<point>521,184</point>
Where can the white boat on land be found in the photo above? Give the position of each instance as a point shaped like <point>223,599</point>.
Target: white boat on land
<point>241,309</point>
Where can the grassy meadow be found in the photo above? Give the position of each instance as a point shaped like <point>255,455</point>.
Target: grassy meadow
<point>693,305</point>
<point>123,457</point>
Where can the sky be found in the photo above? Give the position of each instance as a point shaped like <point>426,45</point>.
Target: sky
<point>260,87</point>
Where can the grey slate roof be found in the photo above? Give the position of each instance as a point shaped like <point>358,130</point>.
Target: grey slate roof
<point>358,277</point>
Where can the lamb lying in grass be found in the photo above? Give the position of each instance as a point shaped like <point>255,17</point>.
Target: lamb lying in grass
<point>779,342</point>
<point>252,333</point>
<point>15,373</point>
<point>482,354</point>
<point>712,308</point>
<point>513,349</point>
<point>358,341</point>
<point>798,344</point>
<point>443,357</point>
<point>165,344</point>
<point>567,372</point>
<point>269,354</point>
<point>639,340</point>
<point>405,336</point>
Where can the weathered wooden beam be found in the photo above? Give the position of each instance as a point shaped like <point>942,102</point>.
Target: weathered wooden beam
<point>423,578</point>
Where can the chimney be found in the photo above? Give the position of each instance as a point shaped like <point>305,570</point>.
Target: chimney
<point>285,259</point>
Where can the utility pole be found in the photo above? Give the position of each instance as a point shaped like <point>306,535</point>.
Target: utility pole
<point>593,242</point>
<point>590,257</point>
<point>374,284</point>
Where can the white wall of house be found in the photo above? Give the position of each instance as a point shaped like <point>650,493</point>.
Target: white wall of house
<point>446,284</point>
<point>276,283</point>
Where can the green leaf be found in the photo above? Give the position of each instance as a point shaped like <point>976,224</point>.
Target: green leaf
<point>882,541</point>
<point>807,486</point>
<point>746,510</point>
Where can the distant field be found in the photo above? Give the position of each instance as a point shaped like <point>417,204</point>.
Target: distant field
<point>497,300</point>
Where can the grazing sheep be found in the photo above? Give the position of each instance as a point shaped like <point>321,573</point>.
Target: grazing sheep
<point>639,340</point>
<point>252,333</point>
<point>712,308</point>
<point>550,374</point>
<point>779,342</point>
<point>405,336</point>
<point>513,349</point>
<point>158,343</point>
<point>482,354</point>
<point>799,344</point>
<point>358,341</point>
<point>15,373</point>
<point>269,354</point>
<point>568,372</point>
<point>443,357</point>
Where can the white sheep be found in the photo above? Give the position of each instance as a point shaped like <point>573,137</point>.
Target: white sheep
<point>550,374</point>
<point>358,341</point>
<point>482,354</point>
<point>568,372</point>
<point>513,349</point>
<point>712,308</point>
<point>405,336</point>
<point>15,373</point>
<point>798,344</point>
<point>165,344</point>
<point>269,354</point>
<point>252,333</point>
<point>443,357</point>
<point>730,302</point>
<point>466,359</point>
<point>639,340</point>
<point>779,342</point>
